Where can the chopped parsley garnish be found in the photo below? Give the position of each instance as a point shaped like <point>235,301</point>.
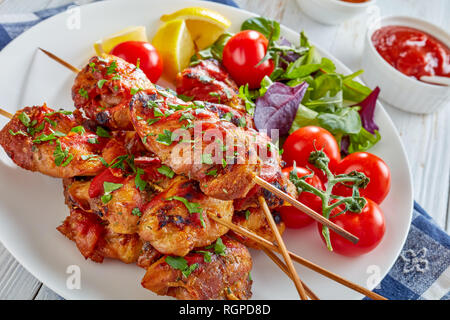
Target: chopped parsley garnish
<point>247,214</point>
<point>192,207</point>
<point>100,83</point>
<point>227,116</point>
<point>242,122</point>
<point>51,122</point>
<point>219,247</point>
<point>140,184</point>
<point>154,103</point>
<point>59,154</point>
<point>18,132</point>
<point>165,170</point>
<point>136,212</point>
<point>110,187</point>
<point>112,68</point>
<point>94,156</point>
<point>39,128</point>
<point>83,93</point>
<point>47,137</point>
<point>207,158</point>
<point>216,95</point>
<point>92,65</point>
<point>118,162</point>
<point>185,98</point>
<point>102,132</point>
<point>157,112</point>
<point>175,106</point>
<point>181,264</point>
<point>152,121</point>
<point>186,116</point>
<point>138,63</point>
<point>92,140</point>
<point>64,112</point>
<point>212,172</point>
<point>165,138</point>
<point>78,129</point>
<point>163,93</point>
<point>116,77</point>
<point>25,119</point>
<point>206,255</point>
<point>133,91</point>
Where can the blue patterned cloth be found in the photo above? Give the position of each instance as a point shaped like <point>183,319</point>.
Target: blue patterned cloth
<point>422,271</point>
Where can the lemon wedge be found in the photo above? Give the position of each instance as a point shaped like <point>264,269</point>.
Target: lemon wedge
<point>175,45</point>
<point>134,33</point>
<point>204,25</point>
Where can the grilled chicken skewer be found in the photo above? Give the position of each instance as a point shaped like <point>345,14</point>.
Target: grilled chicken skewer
<point>237,230</point>
<point>107,105</point>
<point>53,143</point>
<point>224,274</point>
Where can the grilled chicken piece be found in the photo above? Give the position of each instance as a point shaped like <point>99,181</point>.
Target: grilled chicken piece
<point>121,211</point>
<point>97,241</point>
<point>224,277</point>
<point>103,90</point>
<point>209,81</point>
<point>176,220</point>
<point>225,173</point>
<point>254,220</point>
<point>53,143</point>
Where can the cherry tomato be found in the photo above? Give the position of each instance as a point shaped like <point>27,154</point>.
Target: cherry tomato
<point>150,61</point>
<point>294,218</point>
<point>241,55</point>
<point>108,175</point>
<point>369,226</point>
<point>299,145</point>
<point>373,167</point>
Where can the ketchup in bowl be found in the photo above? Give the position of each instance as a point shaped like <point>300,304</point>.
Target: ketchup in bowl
<point>412,52</point>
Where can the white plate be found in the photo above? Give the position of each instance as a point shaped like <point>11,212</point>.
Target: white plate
<point>32,205</point>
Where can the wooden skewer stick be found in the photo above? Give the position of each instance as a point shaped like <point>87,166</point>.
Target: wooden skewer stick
<point>308,264</point>
<point>283,267</point>
<point>282,246</point>
<point>61,61</point>
<point>300,206</point>
<point>6,114</point>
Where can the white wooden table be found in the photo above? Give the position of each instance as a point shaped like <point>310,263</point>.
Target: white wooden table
<point>426,137</point>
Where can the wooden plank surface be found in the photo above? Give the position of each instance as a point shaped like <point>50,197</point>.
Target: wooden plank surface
<point>426,137</point>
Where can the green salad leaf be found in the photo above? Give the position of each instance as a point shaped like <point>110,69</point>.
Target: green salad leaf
<point>269,28</point>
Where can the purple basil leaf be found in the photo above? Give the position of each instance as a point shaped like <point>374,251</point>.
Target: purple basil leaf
<point>278,107</point>
<point>367,111</point>
<point>289,56</point>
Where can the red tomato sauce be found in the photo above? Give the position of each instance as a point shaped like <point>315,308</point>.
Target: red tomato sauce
<point>412,52</point>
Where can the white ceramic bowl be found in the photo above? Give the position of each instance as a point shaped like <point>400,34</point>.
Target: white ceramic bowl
<point>401,91</point>
<point>333,11</point>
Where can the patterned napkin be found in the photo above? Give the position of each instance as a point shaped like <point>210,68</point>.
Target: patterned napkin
<point>422,271</point>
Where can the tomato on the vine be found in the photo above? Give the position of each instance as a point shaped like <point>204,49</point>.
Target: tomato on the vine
<point>294,218</point>
<point>373,167</point>
<point>299,145</point>
<point>369,226</point>
<point>150,61</point>
<point>242,56</point>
